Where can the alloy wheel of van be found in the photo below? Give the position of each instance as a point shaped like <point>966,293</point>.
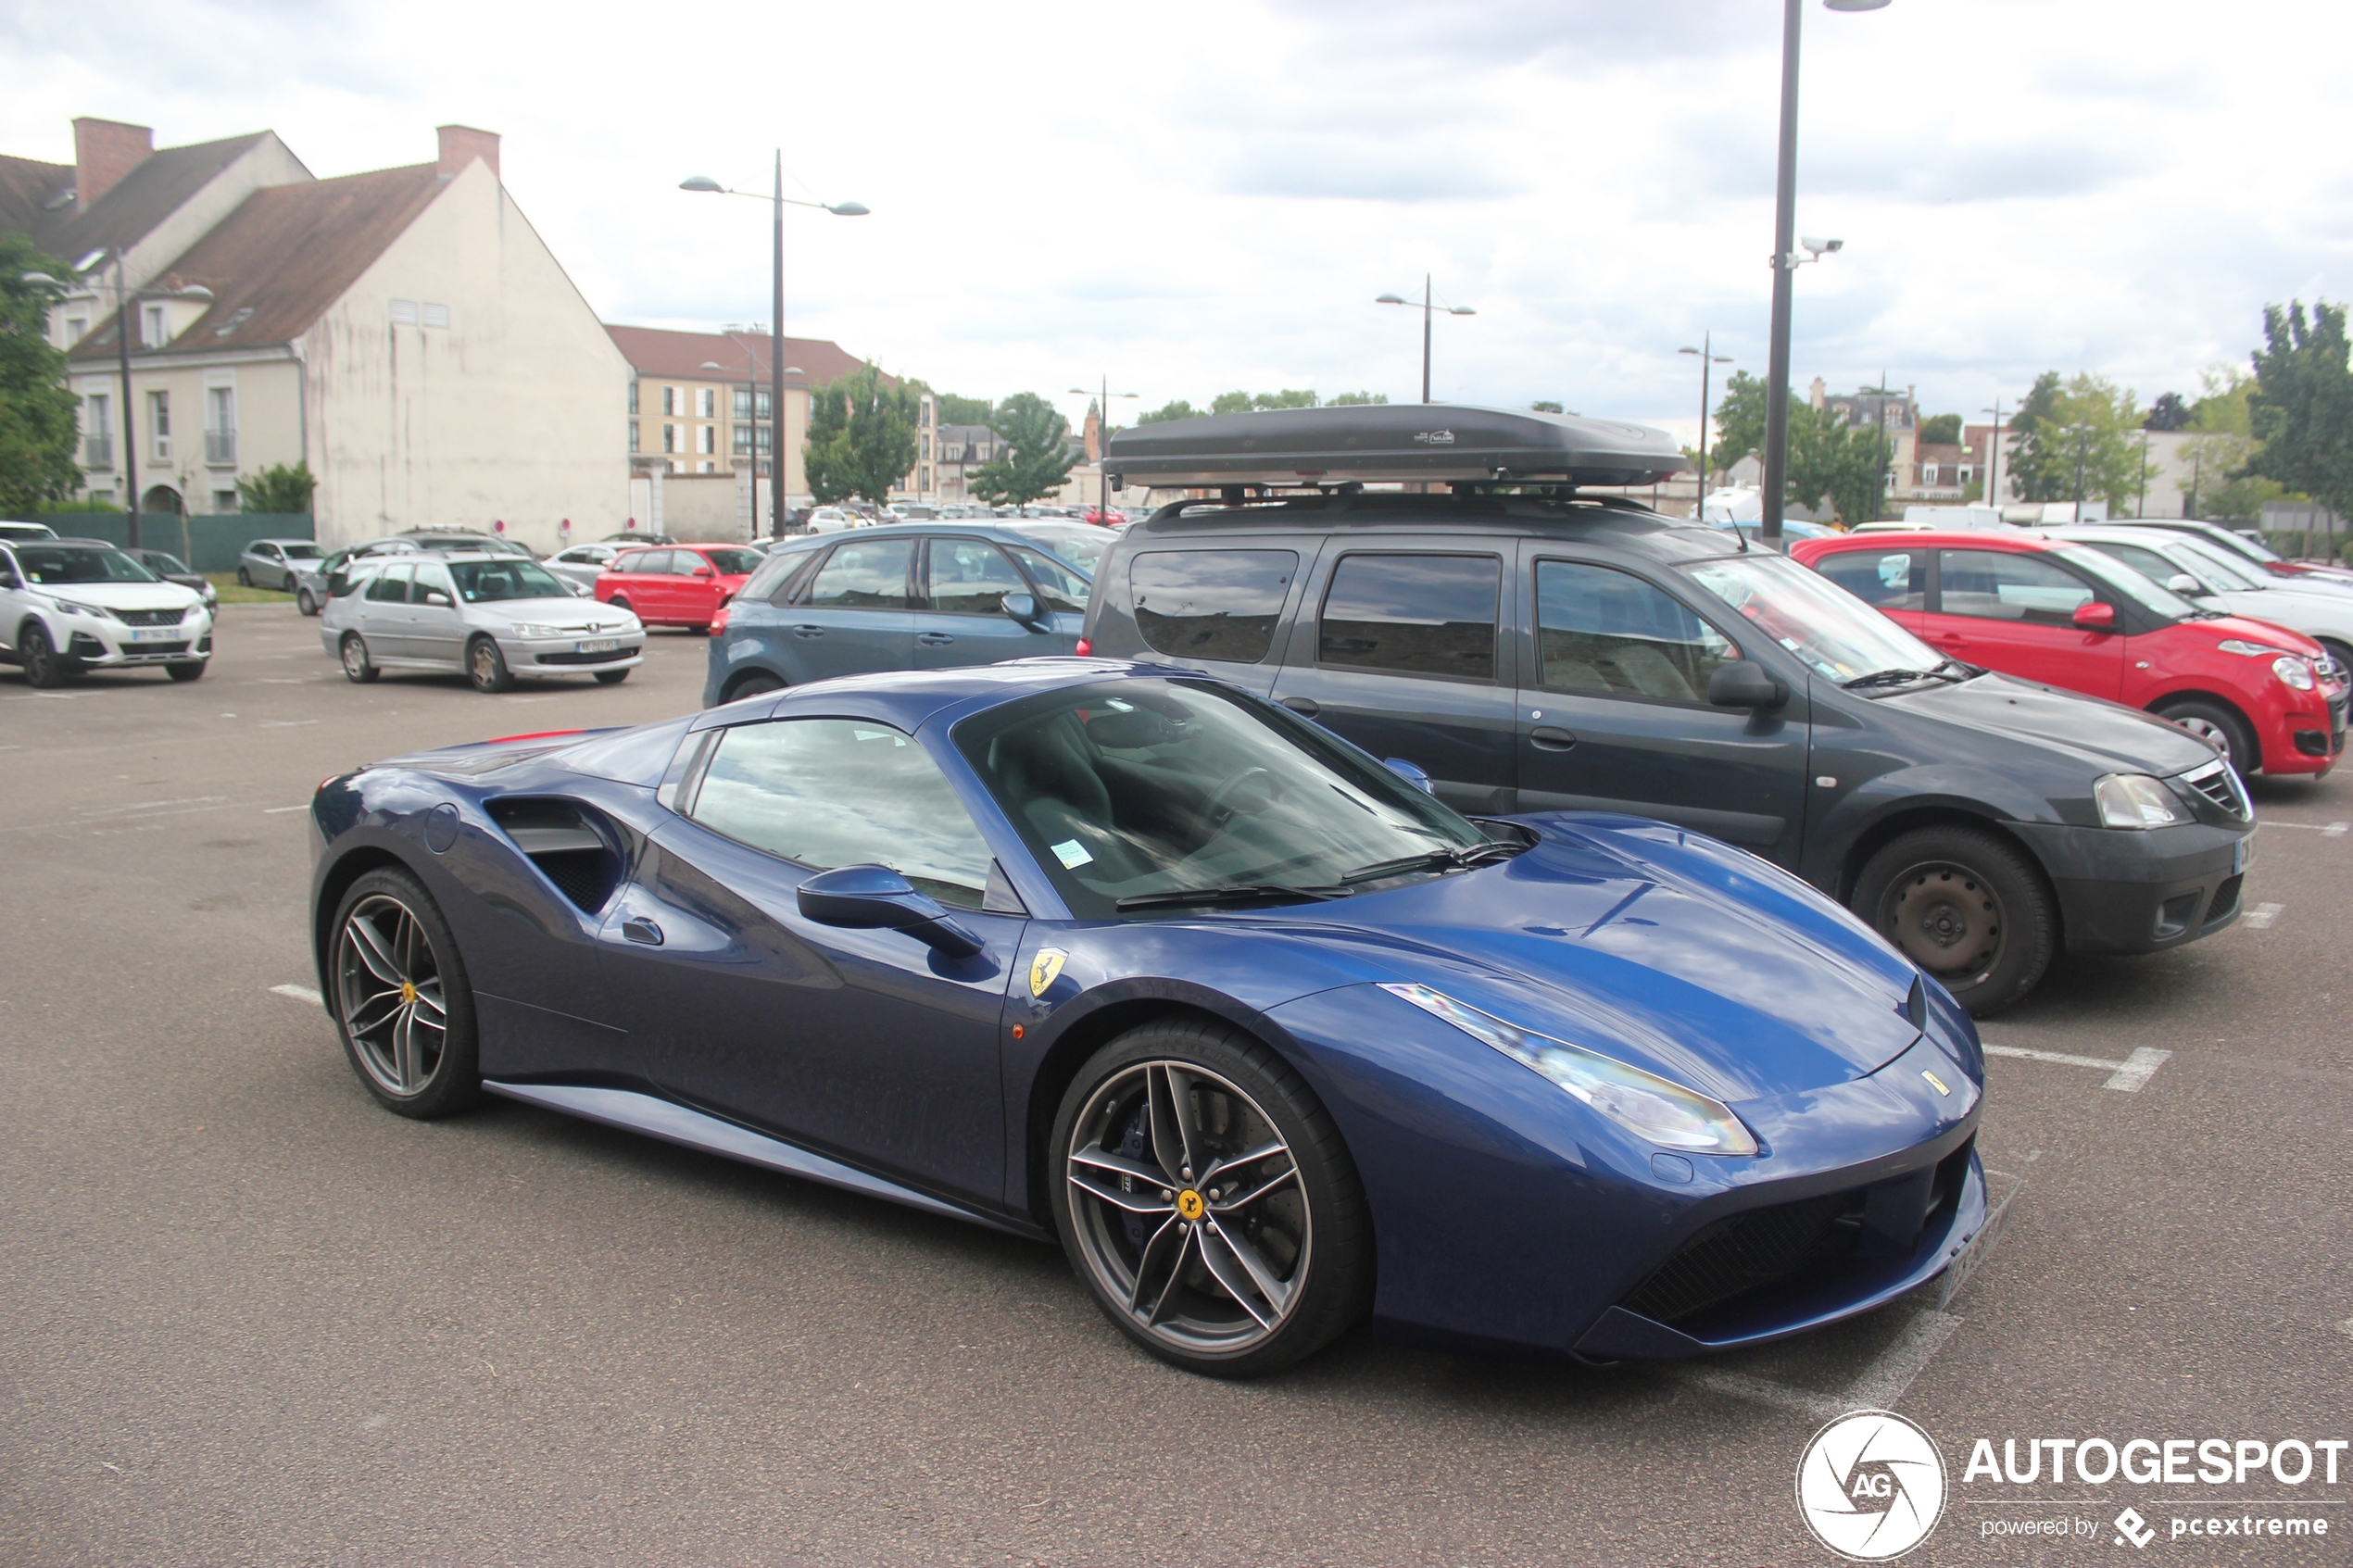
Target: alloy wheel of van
<point>39,656</point>
<point>400,997</point>
<point>486,667</point>
<point>1208,1201</point>
<point>358,667</point>
<point>1965,907</point>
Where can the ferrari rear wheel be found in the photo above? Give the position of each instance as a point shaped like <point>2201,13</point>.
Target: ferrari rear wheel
<point>400,1000</point>
<point>1206,1199</point>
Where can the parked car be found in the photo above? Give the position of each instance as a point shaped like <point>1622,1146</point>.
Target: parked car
<point>831,519</point>
<point>465,539</point>
<point>908,597</point>
<point>172,569</point>
<point>1287,1043</point>
<point>313,578</point>
<point>580,565</point>
<point>1080,543</point>
<point>2233,541</point>
<point>2212,579</point>
<point>684,585</point>
<point>27,531</point>
<point>275,563</point>
<point>636,536</point>
<point>1103,516</point>
<point>2069,615</point>
<point>489,617</point>
<point>1540,654</point>
<point>70,606</point>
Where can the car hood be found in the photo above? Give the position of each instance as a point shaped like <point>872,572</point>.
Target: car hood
<point>2253,631</point>
<point>1648,943</point>
<point>584,616</point>
<point>2106,738</point>
<point>123,595</point>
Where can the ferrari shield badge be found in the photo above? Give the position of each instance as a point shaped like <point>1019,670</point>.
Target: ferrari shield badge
<point>1045,968</point>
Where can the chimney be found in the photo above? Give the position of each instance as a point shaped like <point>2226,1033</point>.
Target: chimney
<point>104,151</point>
<point>461,144</point>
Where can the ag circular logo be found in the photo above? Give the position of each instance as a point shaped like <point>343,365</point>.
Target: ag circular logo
<point>1871,1485</point>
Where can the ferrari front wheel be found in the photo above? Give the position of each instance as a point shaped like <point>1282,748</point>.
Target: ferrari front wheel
<point>1207,1200</point>
<point>400,997</point>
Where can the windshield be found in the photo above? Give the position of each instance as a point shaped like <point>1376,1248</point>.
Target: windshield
<point>157,560</point>
<point>734,563</point>
<point>2220,569</point>
<point>2252,548</point>
<point>2131,583</point>
<point>1083,547</point>
<point>487,582</point>
<point>1132,787</point>
<point>300,552</point>
<point>1837,634</point>
<point>55,565</point>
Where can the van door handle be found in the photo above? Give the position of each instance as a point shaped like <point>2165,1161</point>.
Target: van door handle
<point>1306,707</point>
<point>1552,738</point>
<point>933,639</point>
<point>809,631</point>
<point>639,929</point>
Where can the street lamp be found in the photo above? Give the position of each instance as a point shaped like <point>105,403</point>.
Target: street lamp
<point>702,183</point>
<point>1102,442</point>
<point>1707,358</point>
<point>1994,455</point>
<point>1785,263</point>
<point>1428,306</point>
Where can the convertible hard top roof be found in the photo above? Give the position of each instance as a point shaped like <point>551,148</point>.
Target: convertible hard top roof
<point>1373,443</point>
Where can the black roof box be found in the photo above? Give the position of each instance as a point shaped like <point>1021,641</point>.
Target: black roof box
<point>1389,442</point>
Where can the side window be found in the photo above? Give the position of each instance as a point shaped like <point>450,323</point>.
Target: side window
<point>2010,585</point>
<point>432,578</point>
<point>2143,560</point>
<point>864,574</point>
<point>1413,615</point>
<point>1059,588</point>
<point>971,577</point>
<point>765,578</point>
<point>685,563</point>
<point>1881,579</point>
<point>1606,631</point>
<point>390,585</point>
<point>845,792</point>
<point>1212,603</point>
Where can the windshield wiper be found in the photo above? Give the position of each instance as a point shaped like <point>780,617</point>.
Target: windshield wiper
<point>1950,669</point>
<point>1230,893</point>
<point>1435,861</point>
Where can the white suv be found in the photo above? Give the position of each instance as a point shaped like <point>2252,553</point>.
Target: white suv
<point>71,604</point>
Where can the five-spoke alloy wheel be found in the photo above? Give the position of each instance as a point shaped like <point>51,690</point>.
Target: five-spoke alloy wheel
<point>400,997</point>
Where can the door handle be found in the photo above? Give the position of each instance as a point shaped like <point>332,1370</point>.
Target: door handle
<point>639,929</point>
<point>1550,737</point>
<point>1946,637</point>
<point>1306,707</point>
<point>809,631</point>
<point>933,639</point>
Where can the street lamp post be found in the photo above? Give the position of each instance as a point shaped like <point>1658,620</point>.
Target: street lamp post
<point>1994,455</point>
<point>1785,263</point>
<point>1707,358</point>
<point>1429,305</point>
<point>704,184</point>
<point>1102,442</point>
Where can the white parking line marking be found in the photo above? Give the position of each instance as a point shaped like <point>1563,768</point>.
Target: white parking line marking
<point>286,724</point>
<point>2129,1075</point>
<point>1884,1380</point>
<point>299,992</point>
<point>2333,830</point>
<point>2262,915</point>
<point>41,697</point>
<point>275,811</point>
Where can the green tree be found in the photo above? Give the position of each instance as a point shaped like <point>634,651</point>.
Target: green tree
<point>861,437</point>
<point>2221,449</point>
<point>1832,463</point>
<point>1366,399</point>
<point>1740,421</point>
<point>1231,403</point>
<point>1941,430</point>
<point>2080,431</point>
<point>39,427</point>
<point>1038,457</point>
<point>1284,399</point>
<point>1542,406</point>
<point>2167,412</point>
<point>278,489</point>
<point>2301,408</point>
<point>955,411</point>
<point>1176,409</point>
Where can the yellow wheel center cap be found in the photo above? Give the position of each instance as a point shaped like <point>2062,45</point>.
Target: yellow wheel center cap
<point>1190,1205</point>
<point>407,990</point>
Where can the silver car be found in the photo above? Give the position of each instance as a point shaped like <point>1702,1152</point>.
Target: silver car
<point>488,617</point>
<point>580,564</point>
<point>276,563</point>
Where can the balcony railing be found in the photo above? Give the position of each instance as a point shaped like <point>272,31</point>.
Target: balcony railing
<point>97,452</point>
<point>220,447</point>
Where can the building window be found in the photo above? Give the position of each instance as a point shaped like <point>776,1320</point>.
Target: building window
<point>709,403</point>
<point>224,500</point>
<point>633,396</point>
<point>925,482</point>
<point>709,467</point>
<point>669,400</point>
<point>94,417</point>
<point>1966,473</point>
<point>709,433</point>
<point>437,315</point>
<point>742,439</point>
<point>926,445</point>
<point>156,329</point>
<point>633,427</point>
<point>764,438</point>
<point>1928,474</point>
<point>220,424</point>
<point>77,328</point>
<point>668,432</point>
<point>404,312</point>
<point>160,424</point>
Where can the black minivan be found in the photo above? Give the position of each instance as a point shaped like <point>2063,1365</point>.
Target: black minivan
<point>1534,649</point>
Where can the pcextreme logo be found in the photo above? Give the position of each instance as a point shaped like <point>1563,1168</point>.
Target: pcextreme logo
<point>1871,1485</point>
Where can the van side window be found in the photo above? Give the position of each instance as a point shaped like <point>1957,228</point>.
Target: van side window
<point>1411,615</point>
<point>1881,579</point>
<point>1604,631</point>
<point>2010,585</point>
<point>1212,603</point>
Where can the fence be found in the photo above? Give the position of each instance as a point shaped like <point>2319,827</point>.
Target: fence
<point>207,542</point>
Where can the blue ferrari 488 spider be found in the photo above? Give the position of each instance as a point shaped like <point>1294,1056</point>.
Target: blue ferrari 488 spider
<point>1267,1036</point>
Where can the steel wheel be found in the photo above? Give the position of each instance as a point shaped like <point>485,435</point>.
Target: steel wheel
<point>1187,1207</point>
<point>1948,919</point>
<point>388,995</point>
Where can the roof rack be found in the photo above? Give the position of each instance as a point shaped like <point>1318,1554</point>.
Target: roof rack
<point>1300,448</point>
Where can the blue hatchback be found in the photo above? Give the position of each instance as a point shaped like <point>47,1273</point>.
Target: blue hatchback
<point>914,597</point>
<point>1266,1037</point>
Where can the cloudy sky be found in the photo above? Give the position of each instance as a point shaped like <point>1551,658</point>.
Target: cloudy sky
<point>1194,197</point>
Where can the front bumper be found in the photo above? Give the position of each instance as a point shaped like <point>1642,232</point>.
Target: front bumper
<point>107,645</point>
<point>561,656</point>
<point>2124,892</point>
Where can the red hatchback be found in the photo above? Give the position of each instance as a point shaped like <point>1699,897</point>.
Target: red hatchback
<point>680,585</point>
<point>2069,615</point>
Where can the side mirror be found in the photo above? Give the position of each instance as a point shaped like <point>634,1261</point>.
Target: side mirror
<point>1742,683</point>
<point>435,596</point>
<point>1024,608</point>
<point>2182,583</point>
<point>2095,617</point>
<point>1412,773</point>
<point>702,571</point>
<point>877,898</point>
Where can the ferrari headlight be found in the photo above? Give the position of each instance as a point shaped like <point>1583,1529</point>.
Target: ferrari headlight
<point>1644,1103</point>
<point>2293,671</point>
<point>2135,800</point>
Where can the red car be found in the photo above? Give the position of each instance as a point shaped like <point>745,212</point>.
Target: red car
<point>2070,616</point>
<point>681,585</point>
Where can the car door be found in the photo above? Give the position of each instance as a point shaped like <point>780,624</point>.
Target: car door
<point>1405,655</point>
<point>1614,713</point>
<point>693,587</point>
<point>437,626</point>
<point>959,619</point>
<point>14,600</point>
<point>1894,582</point>
<point>638,579</point>
<point>863,1044</point>
<point>2014,610</point>
<point>855,614</point>
<point>382,614</point>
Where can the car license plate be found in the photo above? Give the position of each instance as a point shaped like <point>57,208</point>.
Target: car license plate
<point>601,645</point>
<point>154,634</point>
<point>2242,854</point>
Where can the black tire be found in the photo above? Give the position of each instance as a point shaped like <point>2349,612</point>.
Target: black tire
<point>2220,728</point>
<point>44,665</point>
<point>1322,1230</point>
<point>288,585</point>
<point>358,667</point>
<point>619,603</point>
<point>305,602</point>
<point>2340,651</point>
<point>245,577</point>
<point>759,681</point>
<point>1967,907</point>
<point>611,677</point>
<point>486,667</point>
<point>192,670</point>
<point>444,1079</point>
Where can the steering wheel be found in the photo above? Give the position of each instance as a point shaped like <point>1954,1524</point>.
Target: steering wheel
<point>1234,796</point>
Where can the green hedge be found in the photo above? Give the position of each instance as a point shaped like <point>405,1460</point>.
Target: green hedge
<point>209,542</point>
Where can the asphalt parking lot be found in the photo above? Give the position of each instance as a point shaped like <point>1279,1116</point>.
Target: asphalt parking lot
<point>247,1317</point>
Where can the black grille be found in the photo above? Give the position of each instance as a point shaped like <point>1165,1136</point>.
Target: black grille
<point>2217,782</point>
<point>150,617</point>
<point>151,650</point>
<point>584,876</point>
<point>1742,1252</point>
<point>588,658</point>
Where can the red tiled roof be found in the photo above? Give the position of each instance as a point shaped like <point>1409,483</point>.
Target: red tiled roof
<point>26,189</point>
<point>131,208</point>
<point>658,351</point>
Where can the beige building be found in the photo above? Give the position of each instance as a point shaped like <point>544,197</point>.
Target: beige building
<point>405,333</point>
